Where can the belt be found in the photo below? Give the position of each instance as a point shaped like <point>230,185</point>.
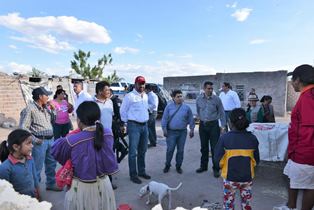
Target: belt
<point>91,181</point>
<point>208,122</point>
<point>43,137</point>
<point>140,123</point>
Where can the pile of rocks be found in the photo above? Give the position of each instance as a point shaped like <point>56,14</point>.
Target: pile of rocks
<point>7,122</point>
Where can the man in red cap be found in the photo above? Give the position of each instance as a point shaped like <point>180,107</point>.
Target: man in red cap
<point>300,165</point>
<point>134,112</point>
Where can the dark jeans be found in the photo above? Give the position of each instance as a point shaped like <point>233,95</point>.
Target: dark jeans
<point>209,133</point>
<point>60,130</point>
<point>152,128</point>
<point>175,138</point>
<point>138,135</point>
<point>227,113</point>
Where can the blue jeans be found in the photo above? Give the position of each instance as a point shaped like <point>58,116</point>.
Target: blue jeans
<point>138,135</point>
<point>41,154</point>
<point>152,128</point>
<point>175,138</point>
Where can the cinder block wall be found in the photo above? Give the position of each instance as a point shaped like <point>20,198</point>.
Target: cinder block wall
<point>292,97</point>
<point>265,83</point>
<point>11,98</point>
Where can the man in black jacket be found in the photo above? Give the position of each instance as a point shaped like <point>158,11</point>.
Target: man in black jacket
<point>121,148</point>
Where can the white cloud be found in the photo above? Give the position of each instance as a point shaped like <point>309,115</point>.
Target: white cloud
<point>12,67</point>
<point>163,69</point>
<point>45,42</point>
<point>234,5</point>
<point>140,36</point>
<point>12,46</point>
<point>258,41</point>
<point>123,50</point>
<point>53,34</point>
<point>185,56</point>
<point>172,55</point>
<point>19,68</point>
<point>242,14</point>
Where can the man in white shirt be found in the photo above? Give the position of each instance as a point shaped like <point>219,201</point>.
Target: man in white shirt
<point>102,98</point>
<point>80,95</point>
<point>134,112</point>
<point>230,100</point>
<point>152,109</point>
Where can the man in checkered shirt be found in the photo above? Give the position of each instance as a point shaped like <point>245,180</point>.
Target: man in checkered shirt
<point>36,118</point>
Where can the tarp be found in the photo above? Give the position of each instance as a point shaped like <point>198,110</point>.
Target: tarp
<point>273,140</point>
<point>27,88</point>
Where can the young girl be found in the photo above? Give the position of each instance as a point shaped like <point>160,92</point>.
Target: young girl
<point>17,166</point>
<point>237,154</point>
<point>93,159</point>
<point>253,109</point>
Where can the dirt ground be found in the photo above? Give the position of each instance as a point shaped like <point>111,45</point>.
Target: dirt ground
<point>269,185</point>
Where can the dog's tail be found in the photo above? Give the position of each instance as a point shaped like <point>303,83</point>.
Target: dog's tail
<point>176,188</point>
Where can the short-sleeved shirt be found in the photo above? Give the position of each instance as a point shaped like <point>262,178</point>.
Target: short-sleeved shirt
<point>61,109</point>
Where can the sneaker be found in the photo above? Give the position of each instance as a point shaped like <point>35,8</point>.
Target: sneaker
<point>201,170</point>
<point>179,170</point>
<point>136,180</point>
<point>145,176</point>
<point>166,169</point>
<point>54,188</point>
<point>151,145</point>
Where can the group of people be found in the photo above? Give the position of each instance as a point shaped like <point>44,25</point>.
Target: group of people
<point>234,154</point>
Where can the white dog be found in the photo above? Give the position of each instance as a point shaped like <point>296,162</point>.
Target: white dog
<point>158,189</point>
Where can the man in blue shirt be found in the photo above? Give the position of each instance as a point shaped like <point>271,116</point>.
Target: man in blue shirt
<point>175,119</point>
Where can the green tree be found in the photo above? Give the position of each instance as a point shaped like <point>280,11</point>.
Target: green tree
<point>36,73</point>
<point>81,67</point>
<point>113,77</point>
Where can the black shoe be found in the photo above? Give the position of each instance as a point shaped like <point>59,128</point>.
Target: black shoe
<point>151,145</point>
<point>200,170</point>
<point>166,169</point>
<point>114,186</point>
<point>145,176</point>
<point>179,170</point>
<point>216,174</point>
<point>136,180</point>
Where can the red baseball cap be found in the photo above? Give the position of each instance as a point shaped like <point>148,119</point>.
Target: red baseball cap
<point>140,80</point>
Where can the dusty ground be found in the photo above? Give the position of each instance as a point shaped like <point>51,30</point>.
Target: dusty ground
<point>269,186</point>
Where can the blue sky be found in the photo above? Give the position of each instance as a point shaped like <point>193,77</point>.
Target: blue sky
<point>157,38</point>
